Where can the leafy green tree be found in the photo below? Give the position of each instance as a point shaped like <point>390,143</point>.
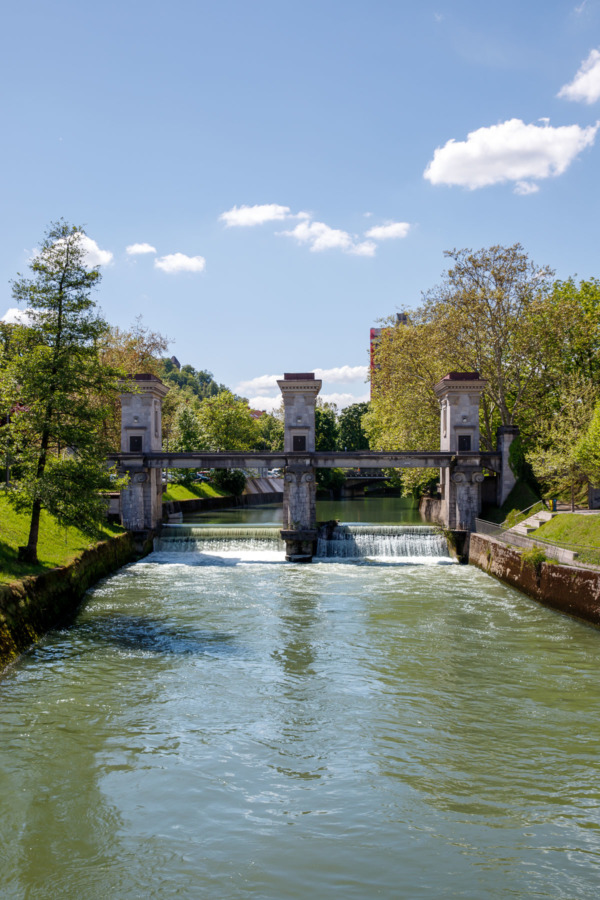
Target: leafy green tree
<point>270,429</point>
<point>326,427</point>
<point>63,390</point>
<point>587,451</point>
<point>352,435</point>
<point>188,439</point>
<point>558,463</point>
<point>226,423</point>
<point>231,480</point>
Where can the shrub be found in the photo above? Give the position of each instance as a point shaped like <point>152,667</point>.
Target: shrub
<point>534,557</point>
<point>231,480</point>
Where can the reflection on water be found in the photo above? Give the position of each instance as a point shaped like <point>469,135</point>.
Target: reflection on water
<point>380,510</point>
<point>275,731</point>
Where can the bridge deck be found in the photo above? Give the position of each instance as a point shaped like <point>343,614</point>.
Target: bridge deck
<point>319,460</point>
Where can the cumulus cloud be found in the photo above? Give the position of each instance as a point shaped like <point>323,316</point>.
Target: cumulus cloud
<point>388,231</point>
<point>15,316</point>
<point>342,374</point>
<point>266,404</point>
<point>265,386</point>
<point>179,262</point>
<point>318,237</point>
<point>137,249</point>
<point>510,151</point>
<point>343,400</point>
<point>585,87</point>
<point>247,216</point>
<point>94,256</point>
<point>259,384</point>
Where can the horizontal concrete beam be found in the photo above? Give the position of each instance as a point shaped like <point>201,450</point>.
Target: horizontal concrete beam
<point>359,460</point>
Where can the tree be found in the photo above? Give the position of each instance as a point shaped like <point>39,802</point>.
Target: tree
<point>63,390</point>
<point>326,427</point>
<point>270,428</point>
<point>491,309</point>
<point>587,451</point>
<point>352,435</point>
<point>188,439</point>
<point>559,464</point>
<point>226,423</point>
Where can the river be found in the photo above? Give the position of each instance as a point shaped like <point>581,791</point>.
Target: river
<point>226,725</point>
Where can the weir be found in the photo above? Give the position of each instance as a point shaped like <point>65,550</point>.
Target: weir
<point>401,543</point>
<point>461,463</point>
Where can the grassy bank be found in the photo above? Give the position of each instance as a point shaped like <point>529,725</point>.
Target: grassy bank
<point>575,532</point>
<point>57,546</point>
<point>180,492</point>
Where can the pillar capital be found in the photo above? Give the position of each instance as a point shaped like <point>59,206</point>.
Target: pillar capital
<point>299,391</point>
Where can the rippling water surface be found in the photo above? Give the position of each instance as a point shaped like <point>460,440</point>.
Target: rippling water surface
<point>239,727</point>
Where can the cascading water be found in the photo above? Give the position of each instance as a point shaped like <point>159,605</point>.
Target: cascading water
<point>401,543</point>
<point>216,539</point>
<point>418,543</point>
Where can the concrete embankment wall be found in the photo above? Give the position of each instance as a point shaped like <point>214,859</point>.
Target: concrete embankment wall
<point>30,607</point>
<point>430,509</point>
<point>568,589</point>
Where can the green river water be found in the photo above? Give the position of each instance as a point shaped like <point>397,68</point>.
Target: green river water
<point>230,726</point>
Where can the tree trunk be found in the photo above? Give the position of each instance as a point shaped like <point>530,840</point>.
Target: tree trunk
<point>572,497</point>
<point>28,554</point>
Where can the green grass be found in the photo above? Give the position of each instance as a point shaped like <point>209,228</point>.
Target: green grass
<point>521,497</point>
<point>56,547</point>
<point>575,532</point>
<point>180,492</point>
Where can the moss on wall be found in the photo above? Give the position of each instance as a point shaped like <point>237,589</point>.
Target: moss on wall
<point>30,607</point>
<point>566,588</point>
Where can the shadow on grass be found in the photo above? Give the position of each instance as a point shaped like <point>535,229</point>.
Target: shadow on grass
<point>12,570</point>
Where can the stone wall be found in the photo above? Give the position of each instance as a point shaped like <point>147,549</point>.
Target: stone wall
<point>568,589</point>
<point>430,509</point>
<point>30,607</point>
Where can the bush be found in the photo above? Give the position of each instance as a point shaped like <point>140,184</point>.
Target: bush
<point>534,557</point>
<point>231,480</point>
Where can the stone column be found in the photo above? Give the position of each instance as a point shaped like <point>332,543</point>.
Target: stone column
<point>505,435</point>
<point>299,391</point>
<point>459,394</point>
<point>141,433</point>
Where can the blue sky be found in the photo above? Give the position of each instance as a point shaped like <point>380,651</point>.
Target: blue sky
<point>295,171</point>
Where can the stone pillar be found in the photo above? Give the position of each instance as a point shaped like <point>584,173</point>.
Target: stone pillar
<point>459,394</point>
<point>505,435</point>
<point>299,391</point>
<point>141,433</point>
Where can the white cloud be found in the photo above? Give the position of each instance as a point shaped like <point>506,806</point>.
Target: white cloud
<point>16,316</point>
<point>585,87</point>
<point>510,151</point>
<point>94,256</point>
<point>388,231</point>
<point>366,248</point>
<point>343,400</point>
<point>260,383</point>
<point>136,249</point>
<point>267,404</point>
<point>526,187</point>
<point>247,216</point>
<point>265,388</point>
<point>319,236</point>
<point>179,262</point>
<point>342,374</point>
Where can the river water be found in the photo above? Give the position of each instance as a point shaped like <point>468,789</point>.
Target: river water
<point>226,725</point>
